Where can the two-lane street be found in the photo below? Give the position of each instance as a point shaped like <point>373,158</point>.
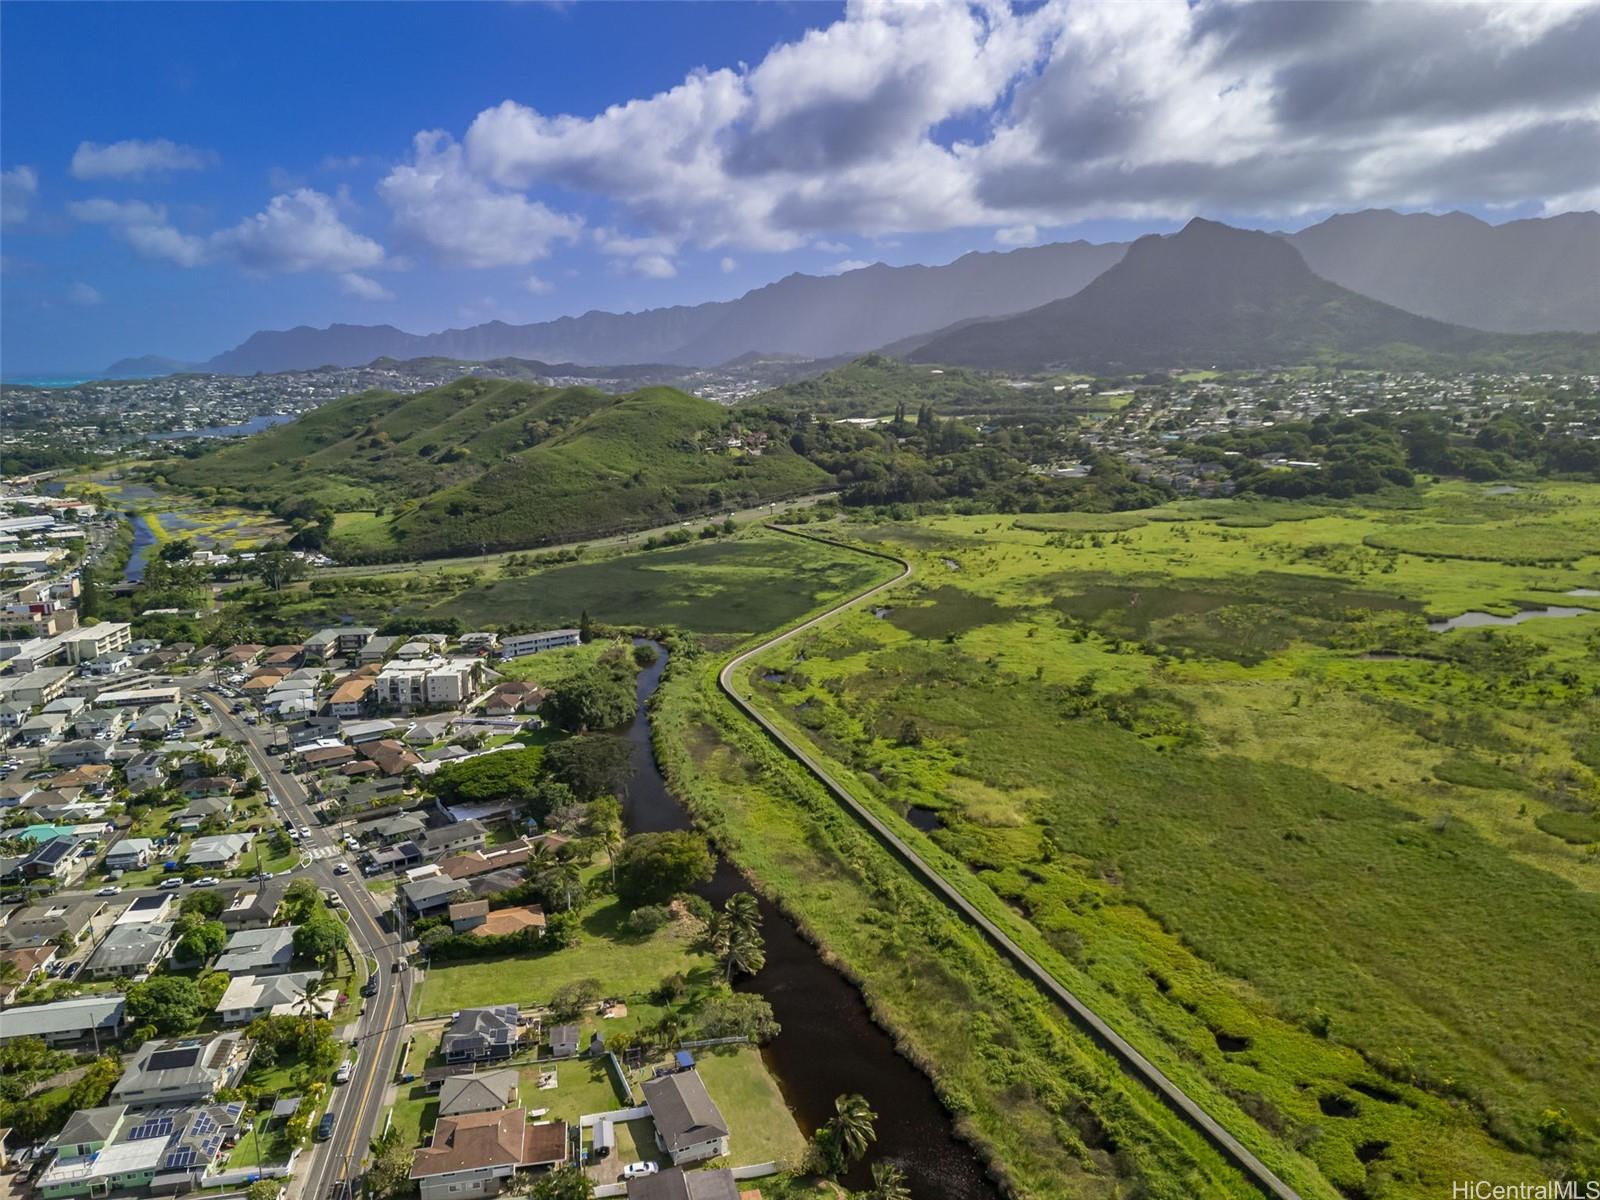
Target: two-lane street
<point>359,1104</point>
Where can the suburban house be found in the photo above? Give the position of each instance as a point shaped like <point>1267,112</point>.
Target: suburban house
<point>258,952</point>
<point>474,1154</point>
<point>130,950</point>
<point>146,909</point>
<point>199,812</point>
<point>326,757</point>
<point>479,1034</point>
<point>349,696</point>
<point>488,1091</point>
<point>114,1150</point>
<point>130,854</point>
<point>677,1184</point>
<point>154,721</point>
<point>431,893</point>
<point>27,963</point>
<point>144,771</point>
<point>219,852</point>
<point>520,645</point>
<point>466,915</point>
<point>295,995</point>
<point>388,831</point>
<point>82,916</point>
<point>512,697</point>
<point>502,922</point>
<point>505,856</point>
<point>391,757</point>
<point>251,908</point>
<point>82,750</point>
<point>689,1126</point>
<point>378,648</point>
<point>181,1070</point>
<point>455,838</point>
<point>56,858</point>
<point>79,1020</point>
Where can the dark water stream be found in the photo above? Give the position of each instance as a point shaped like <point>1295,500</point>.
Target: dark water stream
<point>829,1045</point>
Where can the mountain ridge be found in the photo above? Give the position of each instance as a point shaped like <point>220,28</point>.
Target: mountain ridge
<point>1531,275</point>
<point>1213,295</point>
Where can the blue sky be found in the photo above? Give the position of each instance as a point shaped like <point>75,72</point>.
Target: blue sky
<point>178,176</point>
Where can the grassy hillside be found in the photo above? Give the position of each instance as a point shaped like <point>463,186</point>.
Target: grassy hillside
<point>503,463</point>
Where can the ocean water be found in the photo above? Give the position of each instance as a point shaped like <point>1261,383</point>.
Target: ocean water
<point>50,380</point>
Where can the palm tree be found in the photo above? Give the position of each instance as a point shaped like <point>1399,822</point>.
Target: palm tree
<point>565,876</point>
<point>852,1126</point>
<point>669,1029</point>
<point>744,911</point>
<point>888,1183</point>
<point>741,951</point>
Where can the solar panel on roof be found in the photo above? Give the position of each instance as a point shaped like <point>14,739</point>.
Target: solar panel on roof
<point>176,1058</point>
<point>203,1124</point>
<point>182,1157</point>
<point>153,1128</point>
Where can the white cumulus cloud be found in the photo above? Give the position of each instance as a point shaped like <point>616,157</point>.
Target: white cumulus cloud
<point>134,159</point>
<point>19,187</point>
<point>297,231</point>
<point>537,286</point>
<point>462,218</point>
<point>85,295</point>
<point>363,288</point>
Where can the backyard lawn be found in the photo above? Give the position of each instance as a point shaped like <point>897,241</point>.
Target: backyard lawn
<point>763,1127</point>
<point>626,967</point>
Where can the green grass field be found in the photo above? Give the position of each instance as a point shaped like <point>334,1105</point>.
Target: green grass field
<point>756,582</point>
<point>1323,865</point>
<point>626,966</point>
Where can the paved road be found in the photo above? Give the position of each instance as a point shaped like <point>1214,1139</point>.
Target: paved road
<point>359,1106</point>
<point>1132,1061</point>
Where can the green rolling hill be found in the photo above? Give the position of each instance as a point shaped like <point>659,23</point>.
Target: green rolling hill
<point>498,463</point>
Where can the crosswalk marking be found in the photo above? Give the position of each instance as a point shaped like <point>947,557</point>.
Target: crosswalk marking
<point>317,852</point>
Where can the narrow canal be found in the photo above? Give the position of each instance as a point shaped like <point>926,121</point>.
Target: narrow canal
<point>829,1045</point>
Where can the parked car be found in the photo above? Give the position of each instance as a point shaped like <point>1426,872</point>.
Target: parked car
<point>207,881</point>
<point>72,969</point>
<point>168,884</point>
<point>109,890</point>
<point>639,1170</point>
<point>325,1126</point>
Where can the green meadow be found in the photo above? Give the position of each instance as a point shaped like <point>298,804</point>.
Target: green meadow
<point>1337,873</point>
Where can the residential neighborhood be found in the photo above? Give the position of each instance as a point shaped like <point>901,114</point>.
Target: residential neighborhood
<point>240,880</point>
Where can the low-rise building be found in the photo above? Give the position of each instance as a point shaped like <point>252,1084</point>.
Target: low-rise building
<point>475,1154</point>
<point>220,852</point>
<point>481,1091</point>
<point>252,908</point>
<point>130,950</point>
<point>482,1034</point>
<point>83,917</point>
<point>181,1070</point>
<point>430,894</point>
<point>295,994</point>
<point>689,1126</point>
<point>130,854</point>
<point>258,952</point>
<point>520,645</point>
<point>82,1020</point>
<point>115,1150</point>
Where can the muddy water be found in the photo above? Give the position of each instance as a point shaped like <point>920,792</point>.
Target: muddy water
<point>829,1045</point>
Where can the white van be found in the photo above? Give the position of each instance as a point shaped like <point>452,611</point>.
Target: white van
<point>342,1075</point>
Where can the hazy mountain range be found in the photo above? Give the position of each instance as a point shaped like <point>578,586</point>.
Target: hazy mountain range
<point>1523,276</point>
<point>1215,296</point>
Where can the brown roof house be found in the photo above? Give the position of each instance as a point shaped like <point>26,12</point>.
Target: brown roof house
<point>392,758</point>
<point>475,1154</point>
